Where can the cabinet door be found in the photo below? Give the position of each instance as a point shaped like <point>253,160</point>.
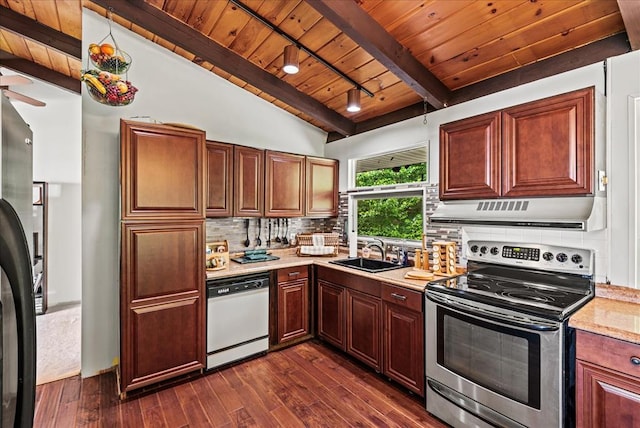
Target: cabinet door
<point>606,398</point>
<point>322,187</point>
<point>548,146</point>
<point>364,328</point>
<point>404,347</point>
<point>284,187</point>
<point>470,158</point>
<point>162,171</point>
<point>219,162</point>
<point>293,309</point>
<point>248,171</point>
<point>162,301</point>
<point>331,321</point>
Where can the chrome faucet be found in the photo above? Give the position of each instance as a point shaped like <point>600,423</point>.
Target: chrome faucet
<point>380,246</point>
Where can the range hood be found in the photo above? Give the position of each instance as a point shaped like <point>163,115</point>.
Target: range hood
<point>566,213</point>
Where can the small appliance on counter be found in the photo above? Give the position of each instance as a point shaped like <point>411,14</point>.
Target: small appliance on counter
<point>254,256</point>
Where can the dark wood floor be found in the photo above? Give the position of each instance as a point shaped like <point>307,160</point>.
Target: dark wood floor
<point>306,385</point>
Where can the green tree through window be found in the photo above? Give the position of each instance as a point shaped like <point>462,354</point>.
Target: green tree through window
<point>393,217</point>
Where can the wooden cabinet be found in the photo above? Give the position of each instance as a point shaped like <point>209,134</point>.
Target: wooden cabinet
<point>293,304</point>
<point>284,181</point>
<point>380,324</point>
<point>248,172</point>
<point>160,173</point>
<point>331,313</point>
<point>364,328</point>
<point>607,382</point>
<point>162,321</point>
<point>321,187</point>
<point>542,148</point>
<point>162,298</point>
<point>404,337</point>
<point>219,179</point>
<point>470,158</point>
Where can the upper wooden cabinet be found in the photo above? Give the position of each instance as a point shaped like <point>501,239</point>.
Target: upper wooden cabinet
<point>322,187</point>
<point>284,190</point>
<point>470,158</point>
<point>547,146</point>
<point>219,196</point>
<point>542,148</point>
<point>248,193</point>
<point>161,171</point>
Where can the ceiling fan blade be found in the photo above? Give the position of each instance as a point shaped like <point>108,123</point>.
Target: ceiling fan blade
<point>14,80</point>
<point>20,97</point>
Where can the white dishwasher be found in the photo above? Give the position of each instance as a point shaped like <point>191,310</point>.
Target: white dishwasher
<point>237,318</point>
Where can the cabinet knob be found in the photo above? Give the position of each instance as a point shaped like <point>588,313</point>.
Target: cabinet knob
<point>635,361</point>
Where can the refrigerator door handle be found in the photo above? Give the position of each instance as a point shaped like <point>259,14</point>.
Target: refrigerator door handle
<point>16,263</point>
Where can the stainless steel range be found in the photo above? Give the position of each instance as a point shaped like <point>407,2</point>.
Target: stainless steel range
<point>499,351</point>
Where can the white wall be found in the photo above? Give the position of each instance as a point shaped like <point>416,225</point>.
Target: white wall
<point>171,89</point>
<point>57,153</point>
<point>611,244</point>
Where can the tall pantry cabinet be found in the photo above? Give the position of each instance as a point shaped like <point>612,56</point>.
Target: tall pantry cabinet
<point>162,302</point>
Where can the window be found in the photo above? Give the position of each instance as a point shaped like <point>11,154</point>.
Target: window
<point>387,195</point>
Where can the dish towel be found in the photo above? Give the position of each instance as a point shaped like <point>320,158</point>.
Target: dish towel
<point>311,250</point>
<point>317,240</point>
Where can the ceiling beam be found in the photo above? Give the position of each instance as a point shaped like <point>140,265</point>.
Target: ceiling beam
<point>595,52</point>
<point>184,36</point>
<point>586,55</point>
<point>40,33</point>
<point>630,11</point>
<point>32,69</point>
<point>373,38</point>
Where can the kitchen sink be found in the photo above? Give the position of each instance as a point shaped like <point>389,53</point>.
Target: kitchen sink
<point>367,265</point>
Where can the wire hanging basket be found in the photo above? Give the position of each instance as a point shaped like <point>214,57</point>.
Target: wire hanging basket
<point>104,82</point>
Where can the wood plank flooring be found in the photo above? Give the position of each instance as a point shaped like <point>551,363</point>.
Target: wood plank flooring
<point>308,385</point>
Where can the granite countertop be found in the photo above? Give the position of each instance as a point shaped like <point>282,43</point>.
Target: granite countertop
<point>288,258</point>
<point>614,312</point>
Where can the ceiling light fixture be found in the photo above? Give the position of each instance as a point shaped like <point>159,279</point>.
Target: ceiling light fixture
<point>353,100</point>
<point>291,65</point>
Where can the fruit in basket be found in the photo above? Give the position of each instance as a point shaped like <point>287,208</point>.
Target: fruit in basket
<point>107,49</point>
<point>94,48</point>
<point>110,89</point>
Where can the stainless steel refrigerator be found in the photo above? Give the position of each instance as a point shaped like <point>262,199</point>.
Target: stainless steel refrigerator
<point>17,312</point>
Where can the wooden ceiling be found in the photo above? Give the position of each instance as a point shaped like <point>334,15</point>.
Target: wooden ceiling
<point>404,52</point>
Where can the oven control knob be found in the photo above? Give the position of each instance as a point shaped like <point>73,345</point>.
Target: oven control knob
<point>483,249</point>
<point>494,250</point>
<point>576,258</point>
<point>561,257</point>
<point>547,256</point>
<point>474,248</point>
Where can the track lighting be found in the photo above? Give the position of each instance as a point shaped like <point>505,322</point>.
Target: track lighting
<point>291,60</point>
<point>353,100</point>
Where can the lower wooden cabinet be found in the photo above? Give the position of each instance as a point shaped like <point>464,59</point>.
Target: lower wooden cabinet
<point>607,382</point>
<point>380,324</point>
<point>331,311</point>
<point>404,337</point>
<point>364,336</point>
<point>293,303</point>
<point>162,318</point>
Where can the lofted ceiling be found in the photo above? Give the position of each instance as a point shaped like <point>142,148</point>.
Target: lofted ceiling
<point>409,54</point>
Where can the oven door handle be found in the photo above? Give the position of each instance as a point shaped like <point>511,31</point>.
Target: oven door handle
<point>475,311</point>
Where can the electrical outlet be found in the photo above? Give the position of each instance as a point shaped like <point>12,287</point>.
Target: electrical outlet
<point>603,180</point>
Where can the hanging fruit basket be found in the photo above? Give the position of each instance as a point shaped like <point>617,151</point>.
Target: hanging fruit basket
<point>109,89</point>
<point>104,82</point>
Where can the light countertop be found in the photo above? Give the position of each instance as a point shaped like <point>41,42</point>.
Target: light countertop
<point>614,312</point>
<point>288,258</point>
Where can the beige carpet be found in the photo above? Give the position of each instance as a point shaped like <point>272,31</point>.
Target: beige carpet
<point>58,343</point>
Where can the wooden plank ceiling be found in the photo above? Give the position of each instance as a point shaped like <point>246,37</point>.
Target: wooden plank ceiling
<point>403,52</point>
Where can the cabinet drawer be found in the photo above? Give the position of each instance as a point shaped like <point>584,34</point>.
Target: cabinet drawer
<point>293,273</point>
<point>350,280</point>
<point>608,352</point>
<point>402,297</point>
